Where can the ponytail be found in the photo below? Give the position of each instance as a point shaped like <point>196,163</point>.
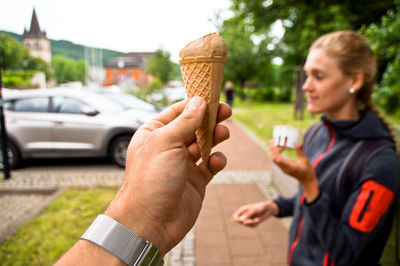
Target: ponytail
<point>371,106</point>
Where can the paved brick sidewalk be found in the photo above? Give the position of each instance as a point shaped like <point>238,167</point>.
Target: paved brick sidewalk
<point>243,151</point>
<point>219,241</point>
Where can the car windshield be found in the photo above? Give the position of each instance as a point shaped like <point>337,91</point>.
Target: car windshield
<point>132,102</point>
<point>107,104</point>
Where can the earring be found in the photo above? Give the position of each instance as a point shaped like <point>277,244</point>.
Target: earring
<point>352,90</point>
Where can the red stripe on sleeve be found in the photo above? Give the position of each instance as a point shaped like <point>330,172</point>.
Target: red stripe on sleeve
<point>299,228</point>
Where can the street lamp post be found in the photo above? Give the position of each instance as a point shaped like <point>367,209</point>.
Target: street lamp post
<point>3,133</point>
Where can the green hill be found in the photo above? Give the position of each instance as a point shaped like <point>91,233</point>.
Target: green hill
<point>69,49</point>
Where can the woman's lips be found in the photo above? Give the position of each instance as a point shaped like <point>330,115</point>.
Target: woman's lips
<point>312,98</point>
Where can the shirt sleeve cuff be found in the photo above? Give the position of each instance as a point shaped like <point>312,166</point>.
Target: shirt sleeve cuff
<point>315,200</point>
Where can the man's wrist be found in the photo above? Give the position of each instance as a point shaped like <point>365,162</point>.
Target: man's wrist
<point>135,221</point>
<point>122,242</point>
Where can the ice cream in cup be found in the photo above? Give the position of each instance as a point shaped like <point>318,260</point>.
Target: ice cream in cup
<point>286,136</point>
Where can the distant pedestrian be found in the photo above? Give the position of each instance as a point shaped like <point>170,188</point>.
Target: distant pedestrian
<point>229,93</point>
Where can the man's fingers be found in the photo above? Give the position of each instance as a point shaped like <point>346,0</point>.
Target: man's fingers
<point>171,112</point>
<point>224,112</point>
<point>187,122</point>
<point>221,133</point>
<point>216,163</point>
<point>194,151</point>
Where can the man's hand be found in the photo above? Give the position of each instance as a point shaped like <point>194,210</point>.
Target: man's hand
<point>164,186</point>
<point>163,189</point>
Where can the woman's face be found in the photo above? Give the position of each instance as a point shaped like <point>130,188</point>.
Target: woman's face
<point>327,87</point>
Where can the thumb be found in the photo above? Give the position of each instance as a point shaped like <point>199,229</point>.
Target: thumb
<point>190,119</point>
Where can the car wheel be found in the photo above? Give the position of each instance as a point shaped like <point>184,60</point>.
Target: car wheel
<point>118,150</point>
<point>14,157</point>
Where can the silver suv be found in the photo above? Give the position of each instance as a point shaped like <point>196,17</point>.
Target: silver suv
<point>61,123</point>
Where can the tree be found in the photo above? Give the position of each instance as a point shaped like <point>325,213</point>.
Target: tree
<point>67,69</point>
<point>37,63</point>
<point>12,53</point>
<point>247,61</point>
<point>305,20</point>
<point>160,66</point>
<point>384,38</point>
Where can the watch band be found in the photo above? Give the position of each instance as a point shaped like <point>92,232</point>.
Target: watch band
<point>122,242</point>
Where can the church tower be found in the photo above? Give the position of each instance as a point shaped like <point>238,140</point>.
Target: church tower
<point>36,40</point>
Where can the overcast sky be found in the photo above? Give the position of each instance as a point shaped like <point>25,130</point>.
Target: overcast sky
<point>122,25</point>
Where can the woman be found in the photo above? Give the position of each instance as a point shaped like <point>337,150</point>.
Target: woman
<point>341,71</point>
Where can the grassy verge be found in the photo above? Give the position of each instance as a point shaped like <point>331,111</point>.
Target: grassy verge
<point>47,237</point>
<point>261,118</point>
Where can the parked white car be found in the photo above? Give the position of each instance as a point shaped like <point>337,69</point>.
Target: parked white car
<point>61,123</point>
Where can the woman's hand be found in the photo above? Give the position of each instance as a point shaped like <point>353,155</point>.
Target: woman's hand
<point>253,214</point>
<point>302,170</point>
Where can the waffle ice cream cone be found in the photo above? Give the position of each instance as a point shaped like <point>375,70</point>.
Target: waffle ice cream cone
<point>202,64</point>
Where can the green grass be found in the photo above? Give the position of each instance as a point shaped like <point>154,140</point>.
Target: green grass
<point>47,237</point>
<point>261,118</point>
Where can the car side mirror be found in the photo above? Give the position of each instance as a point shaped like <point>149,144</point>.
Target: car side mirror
<point>89,111</point>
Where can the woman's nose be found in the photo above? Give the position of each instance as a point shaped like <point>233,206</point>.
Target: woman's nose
<point>307,84</point>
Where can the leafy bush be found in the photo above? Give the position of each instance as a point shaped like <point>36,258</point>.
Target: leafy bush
<point>270,94</point>
<point>384,39</point>
<point>18,78</point>
<point>67,69</point>
<point>156,84</point>
<point>262,95</point>
<point>285,94</point>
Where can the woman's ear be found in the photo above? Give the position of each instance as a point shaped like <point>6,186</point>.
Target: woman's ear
<point>357,79</point>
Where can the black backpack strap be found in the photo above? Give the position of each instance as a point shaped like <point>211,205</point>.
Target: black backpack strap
<point>355,162</point>
<point>311,132</point>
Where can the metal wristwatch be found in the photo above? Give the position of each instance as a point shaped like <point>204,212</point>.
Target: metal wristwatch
<point>122,242</point>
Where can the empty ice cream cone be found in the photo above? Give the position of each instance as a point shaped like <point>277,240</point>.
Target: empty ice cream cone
<point>202,64</point>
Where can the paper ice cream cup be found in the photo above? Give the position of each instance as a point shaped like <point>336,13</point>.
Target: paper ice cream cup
<point>286,136</point>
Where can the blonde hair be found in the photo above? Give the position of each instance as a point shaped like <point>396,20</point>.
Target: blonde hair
<point>353,52</point>
<point>229,84</point>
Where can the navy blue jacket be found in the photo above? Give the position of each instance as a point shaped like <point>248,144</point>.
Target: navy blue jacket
<point>326,232</point>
